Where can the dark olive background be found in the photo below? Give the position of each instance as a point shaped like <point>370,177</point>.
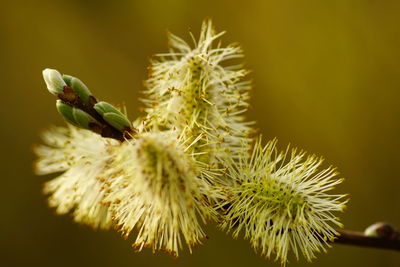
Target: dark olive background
<point>326,79</point>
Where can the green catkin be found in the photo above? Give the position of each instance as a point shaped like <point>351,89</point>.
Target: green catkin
<point>280,202</point>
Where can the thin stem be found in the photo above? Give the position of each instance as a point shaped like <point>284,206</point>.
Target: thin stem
<point>385,237</point>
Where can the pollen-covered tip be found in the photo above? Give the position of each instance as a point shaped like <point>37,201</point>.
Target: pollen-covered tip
<point>112,115</point>
<point>79,87</point>
<point>54,81</point>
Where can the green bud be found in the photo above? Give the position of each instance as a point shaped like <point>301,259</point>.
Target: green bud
<point>82,118</point>
<point>104,107</point>
<point>117,121</point>
<point>54,81</point>
<point>79,87</point>
<point>112,116</point>
<point>67,79</point>
<point>66,111</point>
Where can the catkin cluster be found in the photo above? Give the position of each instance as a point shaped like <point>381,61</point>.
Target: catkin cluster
<point>190,159</point>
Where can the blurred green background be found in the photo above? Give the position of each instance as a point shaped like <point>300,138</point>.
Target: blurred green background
<point>326,77</point>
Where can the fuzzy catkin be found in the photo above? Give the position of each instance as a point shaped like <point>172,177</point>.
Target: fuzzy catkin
<point>195,91</point>
<point>83,157</point>
<point>154,186</point>
<point>281,201</point>
<point>190,159</point>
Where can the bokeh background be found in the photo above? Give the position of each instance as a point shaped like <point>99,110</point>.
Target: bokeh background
<point>326,79</point>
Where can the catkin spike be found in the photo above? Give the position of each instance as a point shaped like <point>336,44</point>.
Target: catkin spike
<point>155,188</point>
<point>280,201</point>
<point>83,157</point>
<point>195,91</point>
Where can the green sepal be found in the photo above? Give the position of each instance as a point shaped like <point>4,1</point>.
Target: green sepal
<point>82,119</point>
<point>66,111</point>
<point>117,121</point>
<point>54,81</point>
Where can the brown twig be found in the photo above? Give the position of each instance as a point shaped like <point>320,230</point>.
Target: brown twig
<point>384,237</point>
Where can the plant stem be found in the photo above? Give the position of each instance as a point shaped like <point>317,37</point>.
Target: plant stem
<point>386,238</point>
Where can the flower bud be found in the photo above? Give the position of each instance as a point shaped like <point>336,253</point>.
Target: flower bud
<point>54,81</point>
<point>66,111</point>
<point>118,122</point>
<point>112,116</point>
<point>75,116</point>
<point>83,119</point>
<point>79,87</point>
<point>379,230</point>
<point>67,79</point>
